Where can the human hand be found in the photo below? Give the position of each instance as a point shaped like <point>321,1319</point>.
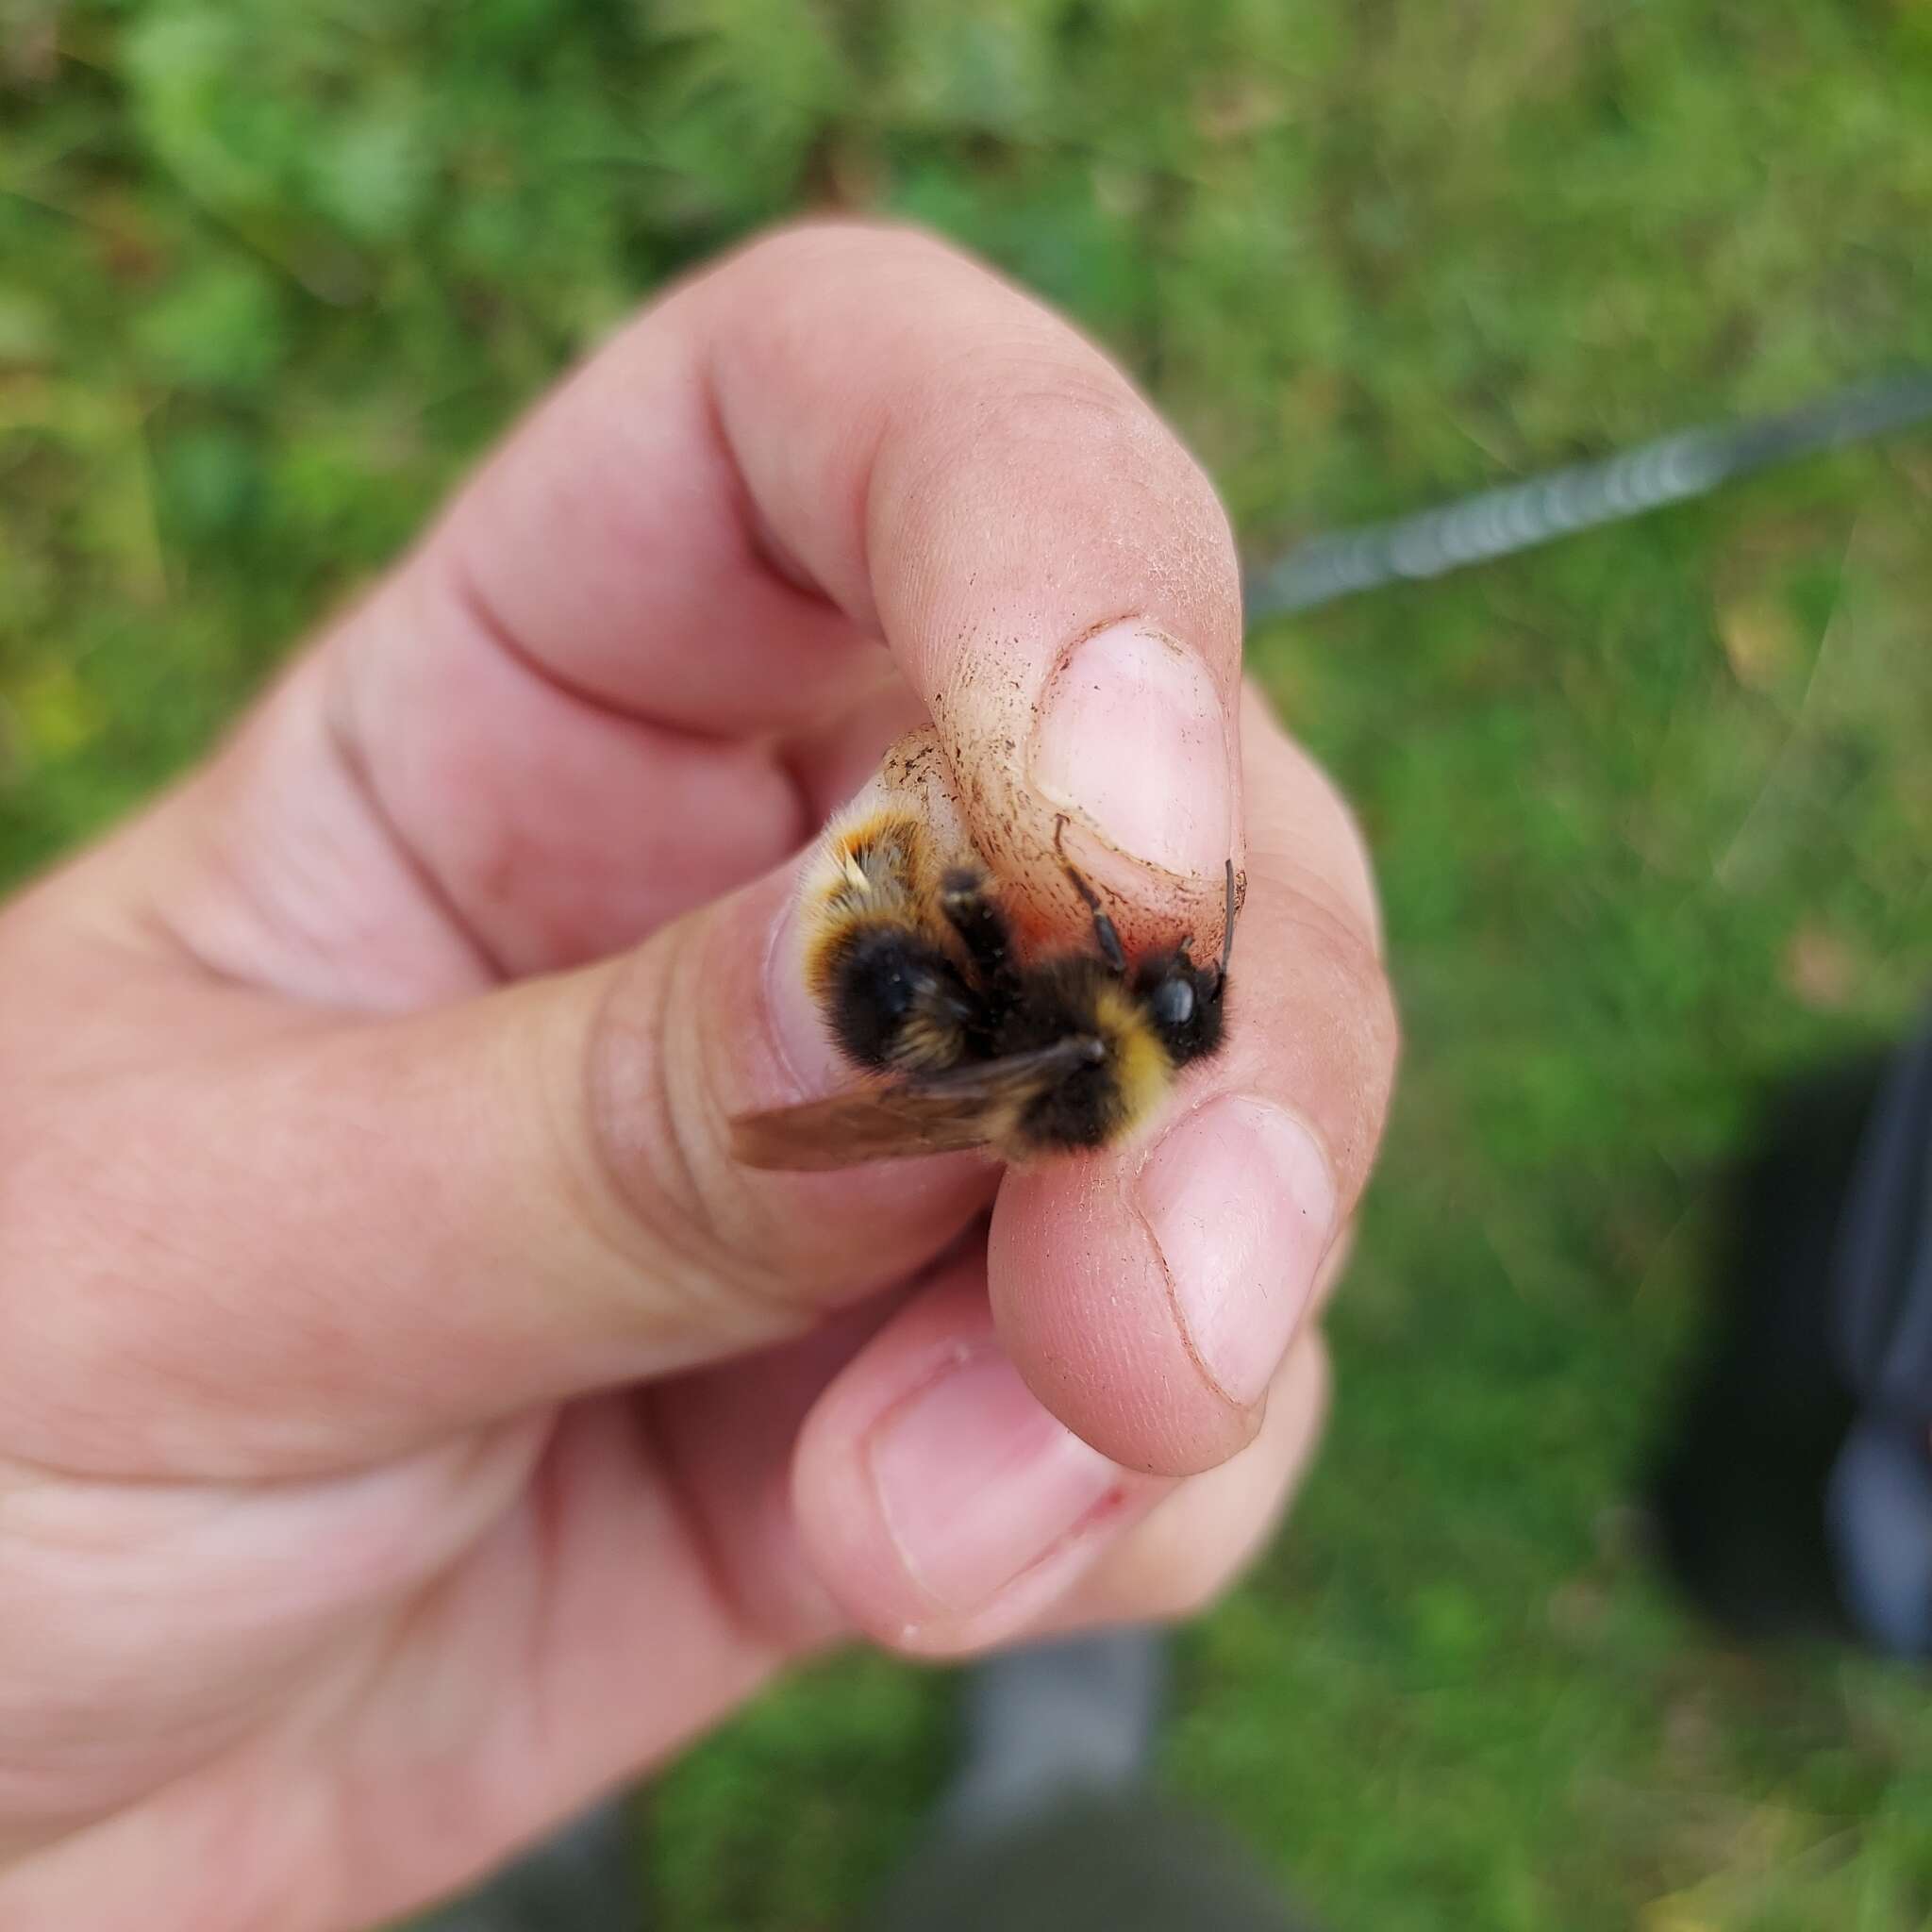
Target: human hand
<point>411,1421</point>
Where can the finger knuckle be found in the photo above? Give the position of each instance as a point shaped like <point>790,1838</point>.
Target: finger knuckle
<point>848,241</point>
<point>1037,390</point>
<point>1035,428</point>
<point>70,1307</point>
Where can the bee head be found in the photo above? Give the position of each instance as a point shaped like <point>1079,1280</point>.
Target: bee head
<point>1183,1000</point>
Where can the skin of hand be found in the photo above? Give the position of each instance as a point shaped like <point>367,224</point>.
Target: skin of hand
<point>411,1421</point>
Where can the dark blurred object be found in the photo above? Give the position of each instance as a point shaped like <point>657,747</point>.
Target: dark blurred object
<point>1050,1825</point>
<point>1073,1718</point>
<point>1047,1825</point>
<point>1796,1496</point>
<point>1521,516</point>
<point>1127,1863</point>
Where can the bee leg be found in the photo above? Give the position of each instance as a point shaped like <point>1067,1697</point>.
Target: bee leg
<point>981,926</point>
<point>1104,935</point>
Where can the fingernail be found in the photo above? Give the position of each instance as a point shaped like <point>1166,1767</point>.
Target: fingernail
<point>798,1028</point>
<point>1133,738</point>
<point>1242,1203</point>
<point>979,1483</point>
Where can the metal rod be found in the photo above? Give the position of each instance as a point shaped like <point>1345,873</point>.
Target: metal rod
<point>1520,516</point>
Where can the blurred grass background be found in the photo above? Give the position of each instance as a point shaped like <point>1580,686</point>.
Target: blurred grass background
<point>1653,809</point>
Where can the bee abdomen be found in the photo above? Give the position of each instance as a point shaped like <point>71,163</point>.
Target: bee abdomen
<point>1082,1110</point>
<point>895,1002</point>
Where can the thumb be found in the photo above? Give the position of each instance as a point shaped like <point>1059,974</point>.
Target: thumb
<point>391,1228</point>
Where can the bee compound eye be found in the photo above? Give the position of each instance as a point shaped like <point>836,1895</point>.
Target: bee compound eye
<point>1174,1002</point>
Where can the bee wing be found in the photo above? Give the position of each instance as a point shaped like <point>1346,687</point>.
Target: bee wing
<point>938,1113</point>
<point>864,1124</point>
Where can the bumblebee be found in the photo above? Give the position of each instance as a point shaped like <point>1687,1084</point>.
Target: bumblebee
<point>967,1045</point>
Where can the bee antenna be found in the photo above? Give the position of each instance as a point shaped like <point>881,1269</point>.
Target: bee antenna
<point>1227,931</point>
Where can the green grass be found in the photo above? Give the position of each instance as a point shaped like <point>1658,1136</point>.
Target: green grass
<point>1653,809</point>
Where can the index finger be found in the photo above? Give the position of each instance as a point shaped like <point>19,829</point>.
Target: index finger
<point>955,471</point>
